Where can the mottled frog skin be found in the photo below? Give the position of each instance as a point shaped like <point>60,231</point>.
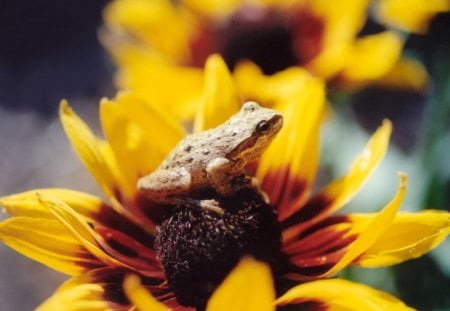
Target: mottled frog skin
<point>213,159</point>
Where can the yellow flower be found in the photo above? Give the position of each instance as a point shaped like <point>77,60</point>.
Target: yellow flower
<point>157,41</point>
<point>107,245</point>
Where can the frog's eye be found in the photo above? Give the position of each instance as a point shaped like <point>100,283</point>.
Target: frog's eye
<point>263,127</point>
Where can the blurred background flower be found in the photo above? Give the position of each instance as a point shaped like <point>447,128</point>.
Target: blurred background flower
<point>339,42</point>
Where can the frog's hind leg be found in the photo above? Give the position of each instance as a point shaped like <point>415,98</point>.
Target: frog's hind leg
<point>161,184</point>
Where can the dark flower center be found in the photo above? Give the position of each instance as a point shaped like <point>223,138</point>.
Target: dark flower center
<point>273,39</point>
<point>259,35</point>
<point>198,249</point>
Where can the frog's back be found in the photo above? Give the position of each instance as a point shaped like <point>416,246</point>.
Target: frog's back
<point>194,153</point>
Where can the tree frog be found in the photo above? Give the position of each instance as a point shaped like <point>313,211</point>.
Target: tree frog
<point>213,159</point>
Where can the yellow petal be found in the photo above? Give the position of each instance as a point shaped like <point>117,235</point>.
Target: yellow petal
<point>158,24</point>
<point>409,15</point>
<point>340,191</point>
<point>27,203</point>
<point>48,242</point>
<point>217,9</point>
<point>277,89</point>
<point>288,167</point>
<point>87,297</point>
<point>133,128</point>
<point>377,226</point>
<point>78,227</point>
<point>90,149</point>
<point>248,287</point>
<point>342,20</point>
<point>87,292</point>
<point>219,99</point>
<point>410,236</point>
<point>174,87</point>
<point>330,61</point>
<point>372,56</point>
<point>341,295</point>
<point>139,296</point>
<point>407,74</point>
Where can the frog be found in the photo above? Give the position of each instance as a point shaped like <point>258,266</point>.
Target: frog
<point>213,159</point>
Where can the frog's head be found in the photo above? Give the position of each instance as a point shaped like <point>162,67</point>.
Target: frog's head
<point>253,127</point>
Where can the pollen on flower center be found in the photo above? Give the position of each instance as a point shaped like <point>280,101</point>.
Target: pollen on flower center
<point>198,249</point>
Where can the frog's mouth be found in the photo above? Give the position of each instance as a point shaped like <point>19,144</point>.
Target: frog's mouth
<point>244,149</point>
<point>251,149</point>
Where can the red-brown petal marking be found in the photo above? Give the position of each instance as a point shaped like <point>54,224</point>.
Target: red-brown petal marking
<point>133,209</point>
<point>108,217</point>
<point>88,261</point>
<point>315,244</point>
<point>320,247</point>
<point>307,34</point>
<point>203,44</point>
<point>305,217</point>
<point>129,251</point>
<point>286,192</point>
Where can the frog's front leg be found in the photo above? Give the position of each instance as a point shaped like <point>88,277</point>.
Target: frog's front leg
<point>220,174</point>
<point>173,187</point>
<point>162,184</point>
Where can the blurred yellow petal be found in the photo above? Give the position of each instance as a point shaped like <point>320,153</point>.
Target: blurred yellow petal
<point>48,242</point>
<point>27,203</point>
<point>133,128</point>
<point>139,296</point>
<point>410,236</point>
<point>90,291</point>
<point>341,295</point>
<point>158,23</point>
<point>372,57</point>
<point>249,79</point>
<point>330,61</point>
<point>249,286</point>
<point>343,20</point>
<point>407,74</point>
<point>90,149</point>
<point>174,87</point>
<point>375,228</point>
<point>409,15</point>
<point>270,90</point>
<point>219,9</point>
<point>219,100</point>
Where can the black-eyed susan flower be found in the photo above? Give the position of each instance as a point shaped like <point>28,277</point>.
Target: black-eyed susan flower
<point>124,253</point>
<point>156,41</point>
